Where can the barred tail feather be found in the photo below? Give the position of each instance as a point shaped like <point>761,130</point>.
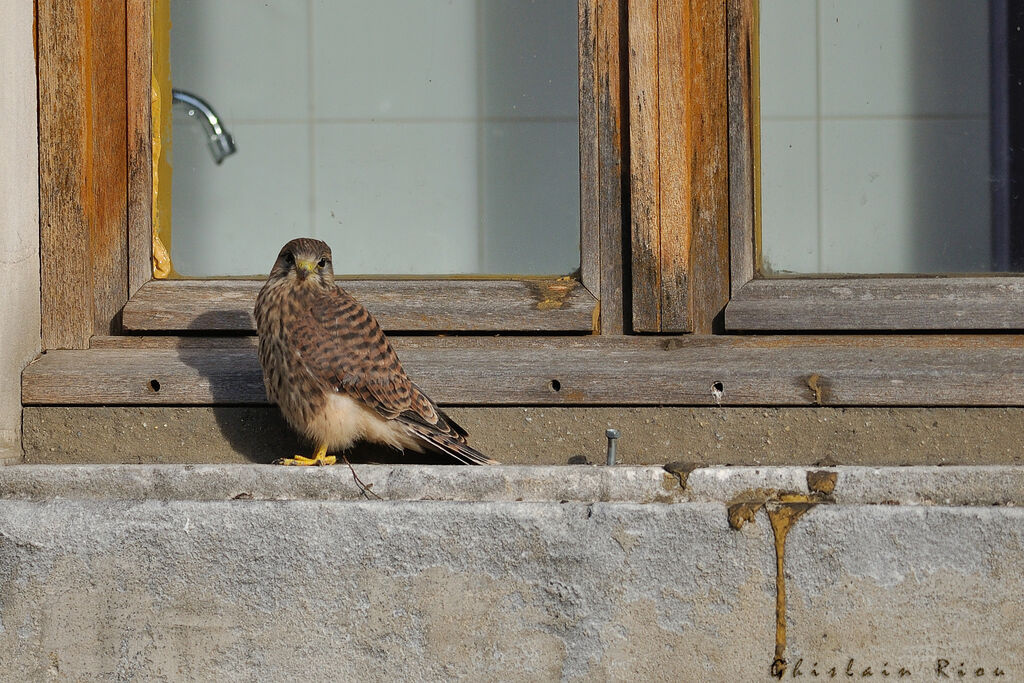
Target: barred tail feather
<point>449,445</point>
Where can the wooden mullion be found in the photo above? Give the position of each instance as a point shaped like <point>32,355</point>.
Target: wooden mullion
<point>708,147</point>
<point>677,158</point>
<point>679,164</point>
<point>644,177</point>
<point>82,169</point>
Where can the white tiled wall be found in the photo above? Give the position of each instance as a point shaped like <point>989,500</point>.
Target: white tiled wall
<point>414,136</point>
<point>874,136</point>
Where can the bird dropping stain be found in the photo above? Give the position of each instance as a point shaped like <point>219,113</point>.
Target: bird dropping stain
<point>784,508</point>
<point>782,517</point>
<point>741,513</point>
<point>680,472</point>
<point>551,294</point>
<point>820,389</point>
<point>821,481</point>
<point>744,507</point>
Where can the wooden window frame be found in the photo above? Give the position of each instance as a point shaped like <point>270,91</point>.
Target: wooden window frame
<point>527,304</point>
<point>667,211</point>
<point>827,303</point>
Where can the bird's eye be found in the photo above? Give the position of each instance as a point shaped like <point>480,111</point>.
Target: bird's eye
<point>322,264</point>
<point>289,259</point>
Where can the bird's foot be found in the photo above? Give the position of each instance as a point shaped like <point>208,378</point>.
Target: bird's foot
<point>318,459</point>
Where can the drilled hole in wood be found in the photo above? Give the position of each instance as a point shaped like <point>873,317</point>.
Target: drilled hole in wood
<point>555,385</point>
<point>154,385</point>
<point>717,390</point>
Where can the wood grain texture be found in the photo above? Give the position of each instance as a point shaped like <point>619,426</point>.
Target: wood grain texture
<point>707,149</point>
<point>82,169</point>
<point>644,166</point>
<point>612,115</point>
<point>535,305</point>
<point>679,165</point>
<point>742,37</point>
<point>66,286</point>
<point>944,303</point>
<point>982,370</point>
<point>679,154</point>
<point>140,144</point>
<point>590,171</point>
<point>107,162</point>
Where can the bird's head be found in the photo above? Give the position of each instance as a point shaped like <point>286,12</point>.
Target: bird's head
<point>304,260</point>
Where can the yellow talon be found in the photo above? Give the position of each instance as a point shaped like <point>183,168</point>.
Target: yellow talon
<point>319,458</point>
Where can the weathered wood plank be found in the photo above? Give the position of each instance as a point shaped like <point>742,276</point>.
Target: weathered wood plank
<point>945,303</point>
<point>82,169</point>
<point>742,86</point>
<point>66,286</point>
<point>107,162</point>
<point>140,144</point>
<point>533,305</point>
<point>679,159</point>
<point>678,155</point>
<point>644,165</point>
<point>590,172</point>
<point>698,370</point>
<point>866,343</point>
<point>611,114</point>
<point>707,149</point>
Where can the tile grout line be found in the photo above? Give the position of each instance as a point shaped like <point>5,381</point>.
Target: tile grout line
<point>311,120</point>
<point>413,120</point>
<point>481,246</point>
<point>818,132</point>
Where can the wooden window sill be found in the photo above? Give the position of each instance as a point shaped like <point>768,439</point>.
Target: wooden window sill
<point>798,370</point>
<point>407,305</point>
<point>873,303</point>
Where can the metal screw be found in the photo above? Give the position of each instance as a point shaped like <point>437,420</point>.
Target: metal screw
<point>613,435</point>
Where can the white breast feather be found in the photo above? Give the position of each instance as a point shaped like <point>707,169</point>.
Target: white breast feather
<point>344,421</point>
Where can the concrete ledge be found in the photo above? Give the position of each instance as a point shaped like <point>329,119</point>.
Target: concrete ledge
<point>959,486</point>
<point>508,573</point>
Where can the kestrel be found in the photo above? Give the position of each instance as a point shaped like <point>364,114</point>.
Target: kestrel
<point>333,373</point>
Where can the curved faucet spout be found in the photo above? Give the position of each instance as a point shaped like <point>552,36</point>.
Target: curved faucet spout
<point>220,141</point>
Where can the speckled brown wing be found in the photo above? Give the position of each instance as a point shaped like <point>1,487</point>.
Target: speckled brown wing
<point>345,350</point>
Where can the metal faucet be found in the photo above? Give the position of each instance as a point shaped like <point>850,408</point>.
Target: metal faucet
<point>220,141</point>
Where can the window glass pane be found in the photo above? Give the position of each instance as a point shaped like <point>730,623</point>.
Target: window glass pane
<point>882,125</point>
<point>414,136</point>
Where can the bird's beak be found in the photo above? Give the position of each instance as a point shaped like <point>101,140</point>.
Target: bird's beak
<point>304,268</point>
